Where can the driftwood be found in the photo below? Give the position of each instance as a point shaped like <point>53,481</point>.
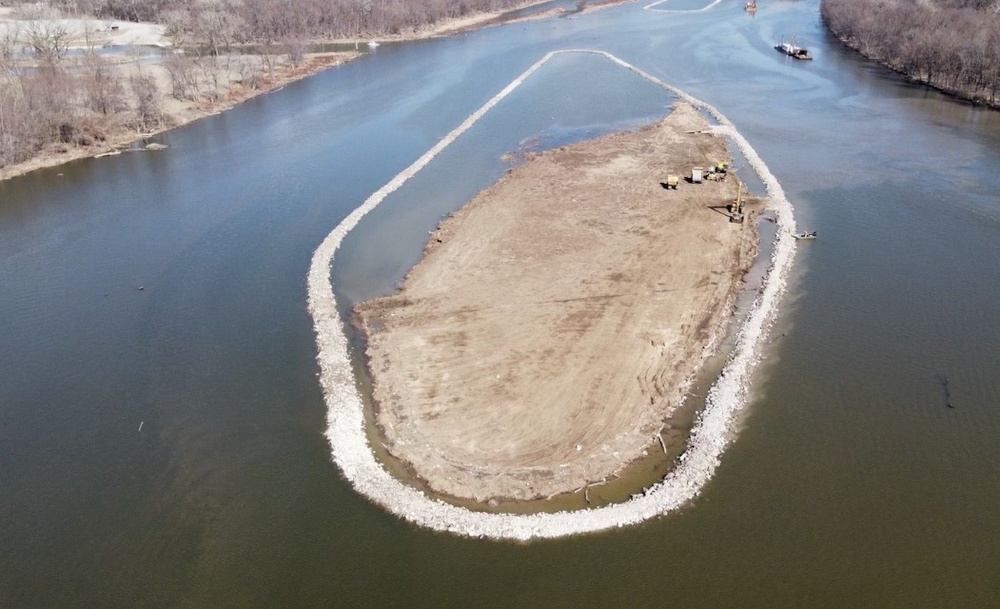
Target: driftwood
<point>663,445</point>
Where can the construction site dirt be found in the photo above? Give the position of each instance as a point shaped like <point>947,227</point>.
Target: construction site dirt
<point>557,320</point>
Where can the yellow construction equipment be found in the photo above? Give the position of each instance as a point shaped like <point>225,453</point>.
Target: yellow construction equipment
<point>736,211</point>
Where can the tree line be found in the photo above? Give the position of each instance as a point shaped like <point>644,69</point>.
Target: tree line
<point>243,21</point>
<point>953,45</point>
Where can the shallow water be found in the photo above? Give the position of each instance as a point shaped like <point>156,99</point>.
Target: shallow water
<point>851,484</point>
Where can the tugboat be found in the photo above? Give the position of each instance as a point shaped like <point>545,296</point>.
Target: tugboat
<point>792,50</point>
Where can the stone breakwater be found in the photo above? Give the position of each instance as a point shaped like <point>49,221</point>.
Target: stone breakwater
<point>711,434</point>
<point>651,7</point>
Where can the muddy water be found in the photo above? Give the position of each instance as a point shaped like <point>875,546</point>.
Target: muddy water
<point>851,484</point>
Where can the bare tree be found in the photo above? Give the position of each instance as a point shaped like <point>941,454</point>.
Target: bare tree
<point>218,24</point>
<point>951,45</point>
<point>9,46</point>
<point>102,88</point>
<point>146,100</point>
<point>48,39</point>
<point>180,70</point>
<point>210,74</point>
<point>247,73</point>
<point>295,50</point>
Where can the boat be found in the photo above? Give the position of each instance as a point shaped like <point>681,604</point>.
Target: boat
<point>792,50</point>
<point>809,235</point>
<point>751,6</point>
<point>372,44</point>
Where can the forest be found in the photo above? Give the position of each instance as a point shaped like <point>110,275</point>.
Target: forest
<point>52,99</point>
<point>240,21</point>
<point>952,45</point>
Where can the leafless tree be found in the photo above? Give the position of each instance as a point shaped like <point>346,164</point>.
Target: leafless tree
<point>295,50</point>
<point>48,39</point>
<point>219,23</point>
<point>146,100</point>
<point>952,44</point>
<point>180,70</point>
<point>247,73</point>
<point>102,88</point>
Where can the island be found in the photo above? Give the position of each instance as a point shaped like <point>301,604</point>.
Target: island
<point>558,319</point>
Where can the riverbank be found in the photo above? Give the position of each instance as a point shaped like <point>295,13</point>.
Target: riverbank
<point>959,94</point>
<point>241,79</point>
<point>108,137</point>
<point>557,320</point>
<point>947,49</point>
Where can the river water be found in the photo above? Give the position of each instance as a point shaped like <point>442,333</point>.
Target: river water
<point>161,424</point>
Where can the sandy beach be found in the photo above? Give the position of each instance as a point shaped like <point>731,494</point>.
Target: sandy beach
<point>556,319</point>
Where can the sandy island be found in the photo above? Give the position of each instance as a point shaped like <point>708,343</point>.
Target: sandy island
<point>556,320</point>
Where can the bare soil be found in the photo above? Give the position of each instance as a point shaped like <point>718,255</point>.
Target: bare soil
<point>556,320</point>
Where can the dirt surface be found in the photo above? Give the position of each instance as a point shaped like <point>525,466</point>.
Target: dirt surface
<point>80,32</point>
<point>555,320</point>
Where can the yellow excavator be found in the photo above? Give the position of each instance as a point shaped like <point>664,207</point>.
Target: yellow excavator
<point>736,210</point>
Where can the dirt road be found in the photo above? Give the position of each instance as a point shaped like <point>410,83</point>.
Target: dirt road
<point>555,320</point>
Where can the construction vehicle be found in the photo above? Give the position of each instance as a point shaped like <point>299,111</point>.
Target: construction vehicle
<point>736,209</point>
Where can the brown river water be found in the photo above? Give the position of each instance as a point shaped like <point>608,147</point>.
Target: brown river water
<point>852,483</point>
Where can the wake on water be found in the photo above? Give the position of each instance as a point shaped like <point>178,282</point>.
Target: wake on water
<point>712,432</point>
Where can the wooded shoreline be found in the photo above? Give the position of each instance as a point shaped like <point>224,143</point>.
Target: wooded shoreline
<point>951,45</point>
<point>63,109</point>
